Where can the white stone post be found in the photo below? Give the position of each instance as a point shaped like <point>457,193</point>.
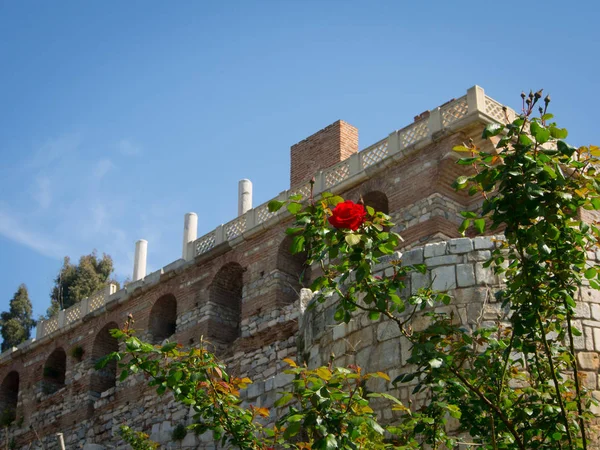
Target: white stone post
<point>244,196</point>
<point>190,234</point>
<point>393,143</point>
<point>435,121</point>
<point>476,99</point>
<point>139,261</point>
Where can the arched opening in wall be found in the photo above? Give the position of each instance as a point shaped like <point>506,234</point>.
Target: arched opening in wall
<point>54,371</point>
<point>104,344</point>
<point>377,200</point>
<point>295,273</point>
<point>163,318</point>
<point>225,293</point>
<point>9,396</point>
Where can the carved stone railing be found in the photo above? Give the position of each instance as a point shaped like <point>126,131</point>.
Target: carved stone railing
<point>76,312</point>
<point>446,117</point>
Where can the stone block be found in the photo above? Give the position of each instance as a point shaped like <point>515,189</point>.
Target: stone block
<point>437,249</point>
<point>465,275</point>
<point>484,275</point>
<point>387,330</point>
<point>483,243</point>
<point>582,310</point>
<point>255,389</point>
<point>443,260</point>
<point>418,280</point>
<point>588,360</point>
<point>282,379</point>
<point>412,257</point>
<point>339,331</point>
<point>385,355</point>
<point>479,255</point>
<point>443,278</point>
<point>460,245</point>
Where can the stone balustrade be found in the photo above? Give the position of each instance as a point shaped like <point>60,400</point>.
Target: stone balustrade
<point>448,117</point>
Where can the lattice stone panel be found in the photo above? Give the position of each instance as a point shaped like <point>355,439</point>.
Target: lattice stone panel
<point>96,300</point>
<point>235,228</point>
<point>263,214</point>
<point>50,326</point>
<point>374,154</point>
<point>337,174</point>
<point>413,133</point>
<point>73,313</point>
<point>205,243</point>
<point>304,191</point>
<point>454,111</point>
<point>494,109</point>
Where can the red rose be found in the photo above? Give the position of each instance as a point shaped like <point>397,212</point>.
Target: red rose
<point>348,215</point>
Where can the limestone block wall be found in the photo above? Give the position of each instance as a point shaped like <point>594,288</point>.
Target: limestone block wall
<point>455,266</point>
<point>238,288</point>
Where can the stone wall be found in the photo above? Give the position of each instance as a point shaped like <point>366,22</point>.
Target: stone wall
<point>241,293</point>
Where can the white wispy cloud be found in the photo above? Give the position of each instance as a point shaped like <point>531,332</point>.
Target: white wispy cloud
<point>42,193</point>
<point>55,149</point>
<point>101,168</point>
<point>13,229</point>
<point>129,148</point>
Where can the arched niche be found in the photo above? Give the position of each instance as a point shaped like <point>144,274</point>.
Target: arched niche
<point>54,371</point>
<point>225,295</point>
<point>377,200</point>
<point>294,270</point>
<point>9,397</point>
<point>104,344</point>
<point>163,318</point>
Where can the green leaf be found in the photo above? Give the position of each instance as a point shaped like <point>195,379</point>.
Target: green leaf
<point>334,200</point>
<point>558,133</point>
<point>463,226</point>
<point>330,442</point>
<point>352,239</point>
<point>294,208</point>
<point>284,399</point>
<point>292,231</point>
<point>275,205</point>
<point>292,430</point>
<point>590,273</point>
<point>540,133</point>
<point>462,148</point>
<point>492,129</point>
<point>468,214</point>
<point>462,180</point>
<point>297,245</point>
<point>168,347</point>
<point>525,140</point>
<point>479,225</point>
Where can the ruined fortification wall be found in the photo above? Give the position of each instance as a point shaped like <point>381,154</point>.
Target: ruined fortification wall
<point>238,287</point>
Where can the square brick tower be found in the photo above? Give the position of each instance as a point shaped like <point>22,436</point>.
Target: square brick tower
<point>323,149</point>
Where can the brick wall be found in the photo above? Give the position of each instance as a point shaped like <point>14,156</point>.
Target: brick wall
<point>323,149</point>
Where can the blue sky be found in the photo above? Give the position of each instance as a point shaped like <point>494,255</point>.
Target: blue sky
<point>117,118</point>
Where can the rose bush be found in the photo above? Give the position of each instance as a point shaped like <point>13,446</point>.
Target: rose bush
<point>348,215</point>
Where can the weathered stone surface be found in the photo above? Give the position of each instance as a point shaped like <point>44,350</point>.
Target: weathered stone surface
<point>437,249</point>
<point>460,245</point>
<point>588,360</point>
<point>483,243</point>
<point>465,275</point>
<point>444,278</point>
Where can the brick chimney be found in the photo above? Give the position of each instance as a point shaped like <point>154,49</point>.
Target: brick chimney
<point>323,149</point>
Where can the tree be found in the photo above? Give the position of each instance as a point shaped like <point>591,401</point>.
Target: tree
<point>17,322</point>
<point>76,282</point>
